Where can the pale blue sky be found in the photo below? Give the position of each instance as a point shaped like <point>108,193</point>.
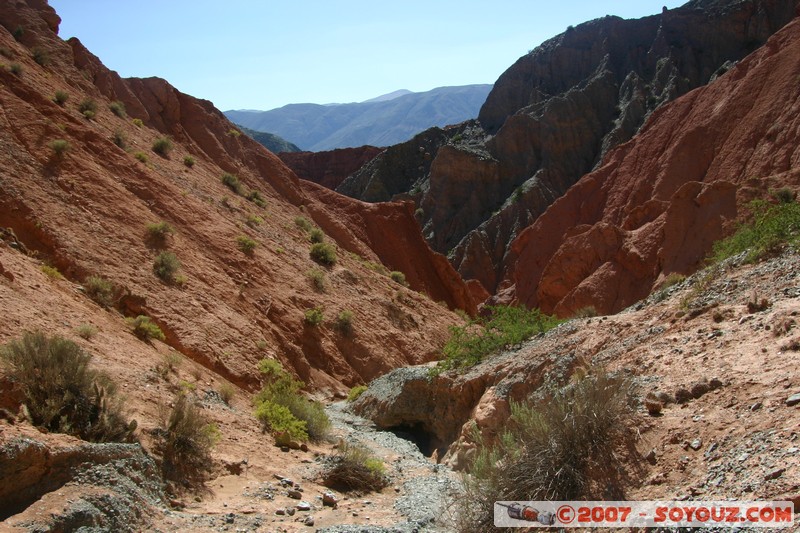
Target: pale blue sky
<point>262,54</point>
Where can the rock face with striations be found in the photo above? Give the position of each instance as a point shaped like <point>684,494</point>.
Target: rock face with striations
<point>329,169</point>
<point>555,113</point>
<point>659,202</point>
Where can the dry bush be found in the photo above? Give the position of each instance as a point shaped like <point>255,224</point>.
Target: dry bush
<point>62,393</point>
<point>184,443</point>
<point>565,448</point>
<point>354,468</point>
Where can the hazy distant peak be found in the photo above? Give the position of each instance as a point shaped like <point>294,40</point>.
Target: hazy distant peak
<point>389,96</point>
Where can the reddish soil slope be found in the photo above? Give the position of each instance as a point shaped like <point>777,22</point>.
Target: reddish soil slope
<point>661,200</point>
<point>85,212</point>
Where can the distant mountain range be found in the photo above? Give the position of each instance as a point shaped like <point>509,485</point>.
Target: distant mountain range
<point>381,121</point>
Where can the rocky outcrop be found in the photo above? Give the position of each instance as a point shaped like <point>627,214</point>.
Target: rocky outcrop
<point>659,201</point>
<point>329,169</point>
<point>557,111</point>
<point>107,486</point>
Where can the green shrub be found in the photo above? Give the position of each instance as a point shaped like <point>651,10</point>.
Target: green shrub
<point>141,156</point>
<point>100,290</point>
<point>277,418</point>
<point>784,195</point>
<point>144,328</point>
<point>314,317</point>
<point>59,147</point>
<point>567,447</point>
<point>256,198</point>
<point>281,395</point>
<point>62,393</point>
<point>234,132</point>
<point>188,161</point>
<point>398,277</point>
<point>162,146</point>
<point>673,279</point>
<point>118,108</point>
<point>18,32</point>
<point>87,105</point>
<point>86,331</point>
<point>246,244</point>
<point>166,265</point>
<point>773,227</point>
<point>89,115</point>
<point>303,223</point>
<point>316,235</point>
<point>16,69</point>
<point>323,253</point>
<point>469,344</point>
<point>317,278</point>
<point>120,139</point>
<point>356,392</point>
<point>186,438</point>
<point>159,232</point>
<point>61,98</point>
<point>232,182</point>
<point>354,468</point>
<point>344,323</point>
<point>51,272</point>
<point>254,221</point>
<point>137,122</point>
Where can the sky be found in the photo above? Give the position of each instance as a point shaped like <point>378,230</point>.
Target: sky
<point>263,54</point>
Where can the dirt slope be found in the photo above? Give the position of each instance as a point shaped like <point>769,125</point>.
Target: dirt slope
<point>85,212</point>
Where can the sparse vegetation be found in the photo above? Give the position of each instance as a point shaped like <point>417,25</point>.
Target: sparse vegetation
<point>118,108</point>
<point>232,182</point>
<point>61,98</point>
<point>62,393</point>
<point>356,392</point>
<point>282,410</point>
<point>186,438</point>
<point>100,290</point>
<point>166,265</point>
<point>234,132</point>
<point>314,316</point>
<point>59,147</point>
<point>18,32</point>
<point>344,323</point>
<point>188,161</point>
<point>469,344</point>
<point>673,279</point>
<point>773,227</point>
<point>141,156</point>
<point>355,468</point>
<point>567,447</point>
<point>398,277</point>
<point>246,244</point>
<point>323,253</point>
<point>159,232</point>
<point>137,122</point>
<point>317,278</point>
<point>144,328</point>
<point>51,272</point>
<point>15,69</point>
<point>585,312</point>
<point>162,146</point>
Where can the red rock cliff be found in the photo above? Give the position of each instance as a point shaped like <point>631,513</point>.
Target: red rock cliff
<point>659,201</point>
